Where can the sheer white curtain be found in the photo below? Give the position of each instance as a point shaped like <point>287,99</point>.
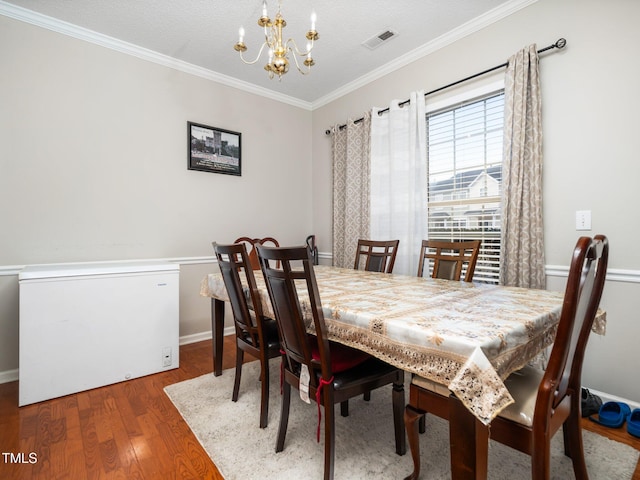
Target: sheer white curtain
<point>522,254</point>
<point>399,179</point>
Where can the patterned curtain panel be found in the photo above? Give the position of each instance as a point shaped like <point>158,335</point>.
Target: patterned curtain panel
<point>351,170</point>
<point>399,179</point>
<point>522,254</point>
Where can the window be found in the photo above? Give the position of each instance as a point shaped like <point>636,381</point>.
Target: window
<point>464,151</point>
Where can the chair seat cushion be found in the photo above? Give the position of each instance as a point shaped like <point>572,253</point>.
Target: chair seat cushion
<point>271,337</point>
<point>342,357</point>
<point>367,372</point>
<point>523,386</point>
<point>430,385</point>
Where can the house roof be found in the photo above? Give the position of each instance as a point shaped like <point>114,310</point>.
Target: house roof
<point>466,178</point>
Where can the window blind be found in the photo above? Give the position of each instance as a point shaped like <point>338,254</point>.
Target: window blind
<point>464,150</point>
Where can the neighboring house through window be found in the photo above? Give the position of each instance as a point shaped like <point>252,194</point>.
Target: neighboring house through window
<point>464,151</point>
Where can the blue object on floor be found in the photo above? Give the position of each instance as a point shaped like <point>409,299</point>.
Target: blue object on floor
<point>633,423</point>
<point>612,414</point>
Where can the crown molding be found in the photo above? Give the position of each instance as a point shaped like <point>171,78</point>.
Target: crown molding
<point>442,41</point>
<point>65,28</point>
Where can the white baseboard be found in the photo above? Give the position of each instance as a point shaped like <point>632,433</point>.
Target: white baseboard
<point>9,376</point>
<point>199,337</point>
<point>606,397</point>
<point>196,337</point>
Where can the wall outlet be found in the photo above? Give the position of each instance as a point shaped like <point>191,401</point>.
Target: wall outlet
<point>166,356</point>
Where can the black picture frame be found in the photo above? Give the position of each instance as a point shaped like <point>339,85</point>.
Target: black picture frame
<point>214,150</point>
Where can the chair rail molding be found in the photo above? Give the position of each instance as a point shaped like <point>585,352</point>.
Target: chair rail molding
<point>613,274</point>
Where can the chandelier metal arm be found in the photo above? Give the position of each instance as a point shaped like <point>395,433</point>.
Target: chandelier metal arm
<point>296,49</point>
<point>251,62</point>
<point>308,61</point>
<point>303,72</point>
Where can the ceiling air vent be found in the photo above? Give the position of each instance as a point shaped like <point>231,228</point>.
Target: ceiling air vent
<point>379,39</point>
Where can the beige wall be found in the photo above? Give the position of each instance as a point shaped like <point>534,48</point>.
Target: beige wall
<point>590,107</point>
<point>93,166</point>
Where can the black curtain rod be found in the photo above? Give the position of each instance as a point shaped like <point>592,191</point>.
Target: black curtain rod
<point>561,43</point>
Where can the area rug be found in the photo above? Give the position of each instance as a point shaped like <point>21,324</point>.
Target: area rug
<point>229,433</point>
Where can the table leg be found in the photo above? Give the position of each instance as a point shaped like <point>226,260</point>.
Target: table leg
<point>411,419</point>
<point>469,441</point>
<point>217,331</point>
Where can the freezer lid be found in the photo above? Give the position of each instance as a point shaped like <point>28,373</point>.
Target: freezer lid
<point>33,272</point>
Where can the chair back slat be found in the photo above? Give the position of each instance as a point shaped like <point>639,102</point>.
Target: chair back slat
<point>379,255</point>
<point>449,258</point>
<point>448,270</point>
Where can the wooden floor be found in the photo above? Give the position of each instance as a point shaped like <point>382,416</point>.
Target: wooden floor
<point>129,430</point>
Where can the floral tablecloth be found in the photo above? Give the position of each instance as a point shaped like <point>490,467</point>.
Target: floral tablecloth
<point>467,336</point>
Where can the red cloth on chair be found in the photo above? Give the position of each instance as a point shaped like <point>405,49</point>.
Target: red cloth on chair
<point>342,357</point>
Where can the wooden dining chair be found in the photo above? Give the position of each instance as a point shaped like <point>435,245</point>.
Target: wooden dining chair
<point>334,373</point>
<point>379,255</point>
<point>449,258</point>
<point>255,334</point>
<point>311,245</point>
<point>545,400</point>
<point>251,243</point>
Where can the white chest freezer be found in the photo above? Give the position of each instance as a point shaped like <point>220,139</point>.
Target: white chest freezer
<point>84,326</point>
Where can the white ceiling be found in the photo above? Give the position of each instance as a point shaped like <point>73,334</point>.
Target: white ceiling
<point>200,34</point>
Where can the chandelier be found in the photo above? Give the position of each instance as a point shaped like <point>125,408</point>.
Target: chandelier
<point>279,49</point>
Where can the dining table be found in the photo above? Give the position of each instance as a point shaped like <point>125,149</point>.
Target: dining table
<point>468,336</point>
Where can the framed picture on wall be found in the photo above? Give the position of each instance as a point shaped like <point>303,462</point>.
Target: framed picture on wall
<point>214,149</point>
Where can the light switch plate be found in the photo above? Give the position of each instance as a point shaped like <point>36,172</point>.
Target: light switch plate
<point>583,220</point>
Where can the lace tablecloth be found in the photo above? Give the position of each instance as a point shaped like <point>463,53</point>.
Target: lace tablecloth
<point>467,336</point>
